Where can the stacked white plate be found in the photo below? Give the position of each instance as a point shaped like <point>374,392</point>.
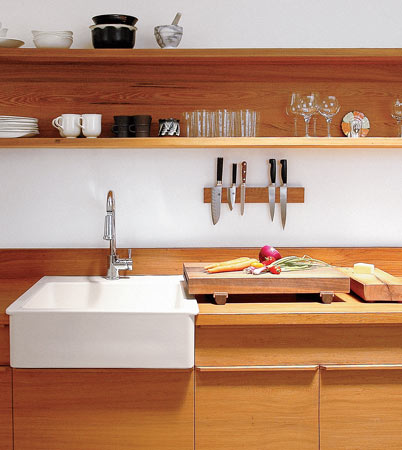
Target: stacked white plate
<point>15,126</point>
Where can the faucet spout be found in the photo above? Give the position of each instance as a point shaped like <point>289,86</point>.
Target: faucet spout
<point>115,263</point>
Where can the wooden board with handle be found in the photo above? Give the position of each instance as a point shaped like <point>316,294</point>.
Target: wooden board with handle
<point>314,281</point>
<point>377,287</point>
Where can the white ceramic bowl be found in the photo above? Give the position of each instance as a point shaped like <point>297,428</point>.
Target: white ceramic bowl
<point>51,41</point>
<point>37,32</point>
<point>168,36</point>
<point>3,32</point>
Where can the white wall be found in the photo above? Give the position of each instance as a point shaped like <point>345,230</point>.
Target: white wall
<point>57,198</point>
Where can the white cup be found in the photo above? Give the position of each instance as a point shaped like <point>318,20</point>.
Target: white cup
<point>68,125</point>
<point>3,31</point>
<point>91,125</point>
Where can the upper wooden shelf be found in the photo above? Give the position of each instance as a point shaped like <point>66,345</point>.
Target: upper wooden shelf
<point>184,142</point>
<point>200,56</point>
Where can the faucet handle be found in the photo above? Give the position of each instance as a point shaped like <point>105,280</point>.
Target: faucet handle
<point>129,253</point>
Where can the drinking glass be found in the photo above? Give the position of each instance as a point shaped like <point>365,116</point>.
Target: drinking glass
<point>329,107</point>
<point>396,113</point>
<point>307,107</point>
<point>292,108</point>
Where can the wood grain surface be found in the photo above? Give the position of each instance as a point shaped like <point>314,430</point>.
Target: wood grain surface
<point>4,345</point>
<point>103,409</point>
<point>257,410</point>
<point>48,83</point>
<point>6,418</point>
<point>298,345</point>
<point>316,280</point>
<point>24,263</point>
<point>380,286</point>
<point>195,143</point>
<point>361,409</point>
<point>258,195</point>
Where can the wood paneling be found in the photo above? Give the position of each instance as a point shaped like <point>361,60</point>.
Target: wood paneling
<point>47,83</point>
<point>103,409</point>
<point>4,345</point>
<point>89,261</point>
<point>361,409</point>
<point>297,345</point>
<point>6,418</point>
<point>271,409</point>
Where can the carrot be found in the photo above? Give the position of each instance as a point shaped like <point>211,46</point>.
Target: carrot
<point>226,263</point>
<point>232,267</point>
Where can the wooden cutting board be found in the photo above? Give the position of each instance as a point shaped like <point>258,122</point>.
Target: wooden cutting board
<point>380,287</point>
<point>317,280</point>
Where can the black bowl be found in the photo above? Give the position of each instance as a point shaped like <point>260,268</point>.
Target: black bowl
<point>115,18</point>
<point>113,37</point>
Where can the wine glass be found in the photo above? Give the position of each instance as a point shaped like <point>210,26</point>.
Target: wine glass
<point>397,114</point>
<point>292,108</point>
<point>307,107</point>
<point>329,107</point>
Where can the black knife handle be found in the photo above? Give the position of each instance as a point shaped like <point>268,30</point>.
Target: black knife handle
<point>219,170</point>
<point>234,173</point>
<point>243,171</point>
<point>272,170</point>
<point>284,171</point>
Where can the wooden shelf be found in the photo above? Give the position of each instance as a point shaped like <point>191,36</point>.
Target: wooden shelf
<point>222,143</point>
<point>217,56</point>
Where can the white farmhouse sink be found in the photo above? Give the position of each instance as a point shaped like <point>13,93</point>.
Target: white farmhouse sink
<point>74,322</point>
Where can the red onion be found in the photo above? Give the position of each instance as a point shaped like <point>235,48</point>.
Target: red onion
<point>268,251</point>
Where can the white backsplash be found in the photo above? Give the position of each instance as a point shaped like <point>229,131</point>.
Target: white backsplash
<point>56,198</point>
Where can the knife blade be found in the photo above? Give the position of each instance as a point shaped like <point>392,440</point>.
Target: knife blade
<point>232,189</point>
<point>284,190</point>
<point>243,186</point>
<point>272,187</point>
<point>217,193</point>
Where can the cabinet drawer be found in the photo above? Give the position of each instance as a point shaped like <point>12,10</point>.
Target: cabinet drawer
<point>4,346</point>
<point>270,408</point>
<point>361,407</point>
<point>298,345</point>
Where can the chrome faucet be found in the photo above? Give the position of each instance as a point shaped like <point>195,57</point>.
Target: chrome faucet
<point>115,263</point>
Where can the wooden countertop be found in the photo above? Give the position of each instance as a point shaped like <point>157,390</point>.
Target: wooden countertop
<point>346,309</point>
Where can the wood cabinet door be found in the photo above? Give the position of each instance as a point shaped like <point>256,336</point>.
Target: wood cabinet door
<point>266,408</point>
<point>361,407</point>
<point>6,414</point>
<point>80,409</point>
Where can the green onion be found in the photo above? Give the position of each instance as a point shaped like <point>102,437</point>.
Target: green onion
<point>290,263</point>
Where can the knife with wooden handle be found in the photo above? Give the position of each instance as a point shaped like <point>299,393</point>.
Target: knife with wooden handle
<point>232,189</point>
<point>272,187</point>
<point>217,193</point>
<point>284,190</point>
<point>243,186</point>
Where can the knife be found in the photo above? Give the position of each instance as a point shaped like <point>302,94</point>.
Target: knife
<point>284,190</point>
<point>232,189</point>
<point>217,193</point>
<point>243,186</point>
<point>272,187</point>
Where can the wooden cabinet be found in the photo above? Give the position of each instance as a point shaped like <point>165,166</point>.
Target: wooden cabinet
<point>109,409</point>
<point>361,407</point>
<point>6,422</point>
<point>257,408</point>
<point>4,345</point>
